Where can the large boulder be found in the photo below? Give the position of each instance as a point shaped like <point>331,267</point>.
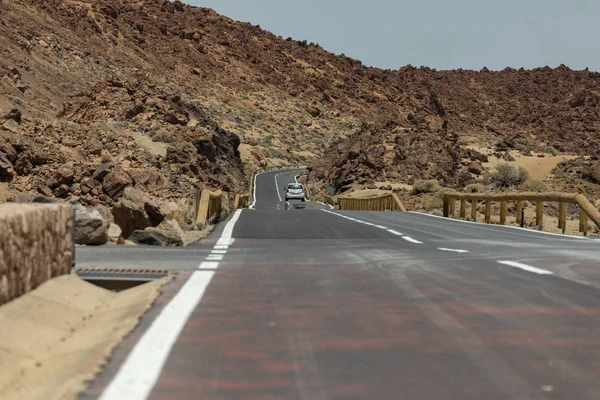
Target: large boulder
<point>115,182</point>
<point>115,234</point>
<point>152,207</point>
<point>130,216</point>
<point>90,228</point>
<point>169,233</point>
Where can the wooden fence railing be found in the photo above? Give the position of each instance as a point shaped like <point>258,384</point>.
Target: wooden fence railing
<point>241,201</point>
<point>388,202</point>
<point>587,209</point>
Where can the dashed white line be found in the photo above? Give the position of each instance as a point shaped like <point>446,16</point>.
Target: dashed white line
<point>393,232</point>
<point>138,374</point>
<point>215,257</point>
<point>453,250</point>
<point>409,239</point>
<point>218,252</point>
<point>526,267</point>
<point>209,265</point>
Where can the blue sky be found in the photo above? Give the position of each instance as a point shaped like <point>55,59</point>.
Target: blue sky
<point>442,34</point>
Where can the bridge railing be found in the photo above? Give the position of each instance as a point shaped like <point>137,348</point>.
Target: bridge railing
<point>587,209</point>
<point>387,202</point>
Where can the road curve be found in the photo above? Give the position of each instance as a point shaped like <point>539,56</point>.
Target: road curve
<point>324,304</point>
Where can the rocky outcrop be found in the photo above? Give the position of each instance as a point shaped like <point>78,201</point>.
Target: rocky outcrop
<point>130,216</point>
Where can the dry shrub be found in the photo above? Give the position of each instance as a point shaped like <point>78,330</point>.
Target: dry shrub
<point>533,185</point>
<point>105,156</point>
<point>475,188</point>
<point>430,186</point>
<point>508,176</point>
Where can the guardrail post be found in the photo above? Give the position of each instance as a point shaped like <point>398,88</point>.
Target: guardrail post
<point>503,207</point>
<point>539,217</point>
<point>452,207</point>
<point>488,211</point>
<point>520,213</point>
<point>562,216</point>
<point>474,210</point>
<point>583,222</point>
<point>463,208</point>
<point>446,206</point>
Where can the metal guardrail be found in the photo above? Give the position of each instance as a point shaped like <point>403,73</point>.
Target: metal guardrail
<point>388,202</point>
<point>587,209</point>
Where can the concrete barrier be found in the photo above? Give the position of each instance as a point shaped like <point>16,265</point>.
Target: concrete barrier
<point>36,244</point>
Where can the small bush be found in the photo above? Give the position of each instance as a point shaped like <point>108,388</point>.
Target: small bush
<point>533,185</point>
<point>163,137</point>
<point>474,188</point>
<point>430,186</point>
<point>436,201</point>
<point>508,175</point>
<point>105,156</point>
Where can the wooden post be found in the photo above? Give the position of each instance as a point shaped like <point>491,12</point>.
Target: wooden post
<point>583,222</point>
<point>562,216</point>
<point>539,215</point>
<point>488,211</point>
<point>446,206</point>
<point>452,207</point>
<point>503,207</point>
<point>463,208</point>
<point>473,210</point>
<point>519,210</point>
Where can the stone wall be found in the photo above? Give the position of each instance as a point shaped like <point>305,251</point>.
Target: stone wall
<point>35,246</point>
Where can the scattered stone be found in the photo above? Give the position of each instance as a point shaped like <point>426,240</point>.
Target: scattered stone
<point>130,216</point>
<point>115,183</point>
<point>31,198</point>
<point>115,234</point>
<point>61,191</point>
<point>15,115</point>
<point>64,176</point>
<point>7,171</point>
<point>45,190</point>
<point>11,125</point>
<point>169,233</point>
<point>103,170</point>
<point>90,228</point>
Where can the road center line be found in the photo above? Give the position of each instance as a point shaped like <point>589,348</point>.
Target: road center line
<point>409,239</point>
<point>526,267</point>
<point>140,371</point>
<point>453,250</point>
<point>393,232</point>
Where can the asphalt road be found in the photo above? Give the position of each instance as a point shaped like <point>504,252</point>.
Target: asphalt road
<point>321,304</point>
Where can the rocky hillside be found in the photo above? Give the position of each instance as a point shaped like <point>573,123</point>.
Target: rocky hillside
<point>100,95</point>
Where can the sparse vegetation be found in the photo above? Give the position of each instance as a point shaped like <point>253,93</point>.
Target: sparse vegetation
<point>434,202</point>
<point>430,186</point>
<point>508,176</point>
<point>475,188</point>
<point>163,137</point>
<point>105,156</point>
<point>533,185</point>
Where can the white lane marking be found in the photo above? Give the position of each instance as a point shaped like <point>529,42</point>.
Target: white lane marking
<point>140,371</point>
<point>218,251</point>
<point>526,267</point>
<point>215,257</point>
<point>453,250</point>
<point>220,247</point>
<point>296,178</point>
<point>409,239</point>
<point>277,187</point>
<point>209,265</point>
<point>393,232</point>
<point>254,192</point>
<point>504,226</point>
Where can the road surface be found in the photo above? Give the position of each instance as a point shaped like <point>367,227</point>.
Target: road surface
<point>323,304</point>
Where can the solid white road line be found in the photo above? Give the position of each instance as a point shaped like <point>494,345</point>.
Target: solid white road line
<point>140,371</point>
<point>526,267</point>
<point>533,231</point>
<point>254,194</point>
<point>409,239</point>
<point>453,250</point>
<point>277,187</point>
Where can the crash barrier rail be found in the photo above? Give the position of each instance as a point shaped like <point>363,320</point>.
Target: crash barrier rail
<point>388,202</point>
<point>586,209</point>
<point>241,201</point>
<point>209,205</point>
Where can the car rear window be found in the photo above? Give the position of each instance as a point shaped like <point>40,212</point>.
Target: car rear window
<point>294,186</point>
